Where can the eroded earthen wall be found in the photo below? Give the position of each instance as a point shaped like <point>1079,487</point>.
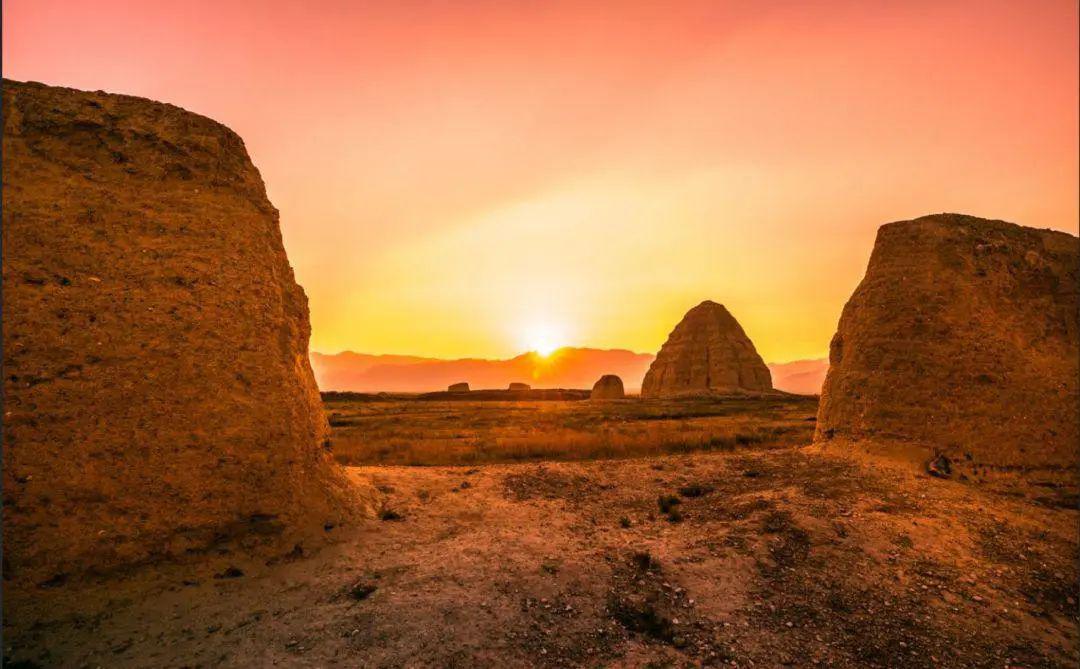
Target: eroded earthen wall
<point>158,394</point>
<point>962,339</point>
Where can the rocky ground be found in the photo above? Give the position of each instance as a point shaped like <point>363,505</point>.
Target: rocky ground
<point>747,558</point>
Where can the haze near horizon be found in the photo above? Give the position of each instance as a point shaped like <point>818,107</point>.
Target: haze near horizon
<point>477,181</point>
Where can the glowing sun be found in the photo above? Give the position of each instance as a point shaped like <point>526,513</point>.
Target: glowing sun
<point>544,338</point>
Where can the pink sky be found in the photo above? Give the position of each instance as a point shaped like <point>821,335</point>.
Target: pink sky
<point>473,178</point>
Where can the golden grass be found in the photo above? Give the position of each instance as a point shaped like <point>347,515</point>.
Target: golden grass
<point>413,432</point>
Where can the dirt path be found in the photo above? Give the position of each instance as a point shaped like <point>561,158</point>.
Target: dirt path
<point>770,558</point>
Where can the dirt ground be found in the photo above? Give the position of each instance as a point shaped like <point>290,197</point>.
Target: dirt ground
<point>755,557</point>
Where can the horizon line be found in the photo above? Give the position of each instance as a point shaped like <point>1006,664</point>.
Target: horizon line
<point>824,357</point>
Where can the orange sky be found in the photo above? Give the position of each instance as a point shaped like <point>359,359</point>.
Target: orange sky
<point>476,178</point>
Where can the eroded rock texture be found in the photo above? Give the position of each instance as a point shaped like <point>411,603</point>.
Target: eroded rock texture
<point>961,339</point>
<point>706,352</point>
<point>158,395</point>
<point>608,387</point>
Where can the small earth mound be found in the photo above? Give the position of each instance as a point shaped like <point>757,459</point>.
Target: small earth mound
<point>458,388</point>
<point>519,386</point>
<point>609,387</point>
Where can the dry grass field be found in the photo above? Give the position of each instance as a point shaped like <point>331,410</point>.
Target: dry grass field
<point>411,431</point>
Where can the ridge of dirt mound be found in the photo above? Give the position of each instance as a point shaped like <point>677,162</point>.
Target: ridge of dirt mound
<point>962,341</point>
<point>707,352</point>
<point>158,395</point>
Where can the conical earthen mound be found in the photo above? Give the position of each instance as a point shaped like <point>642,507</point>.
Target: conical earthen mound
<point>962,339</point>
<point>707,352</point>
<point>157,391</point>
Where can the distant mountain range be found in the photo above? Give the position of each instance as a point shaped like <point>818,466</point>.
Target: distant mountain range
<point>803,377</point>
<point>567,367</point>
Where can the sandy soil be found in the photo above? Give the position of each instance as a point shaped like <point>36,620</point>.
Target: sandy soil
<point>770,558</point>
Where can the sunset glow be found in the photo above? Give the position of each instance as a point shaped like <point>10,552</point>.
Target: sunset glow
<point>544,338</point>
<point>447,171</point>
<point>553,333</point>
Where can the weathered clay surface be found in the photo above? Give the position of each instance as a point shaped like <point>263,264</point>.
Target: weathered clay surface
<point>706,352</point>
<point>608,387</point>
<point>157,391</point>
<point>962,339</point>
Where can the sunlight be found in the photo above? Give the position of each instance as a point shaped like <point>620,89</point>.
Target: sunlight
<point>543,338</point>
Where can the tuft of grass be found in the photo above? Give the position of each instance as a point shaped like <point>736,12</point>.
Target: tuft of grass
<point>644,617</point>
<point>644,561</point>
<point>667,502</point>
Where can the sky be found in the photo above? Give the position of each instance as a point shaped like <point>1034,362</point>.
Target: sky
<point>482,178</point>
